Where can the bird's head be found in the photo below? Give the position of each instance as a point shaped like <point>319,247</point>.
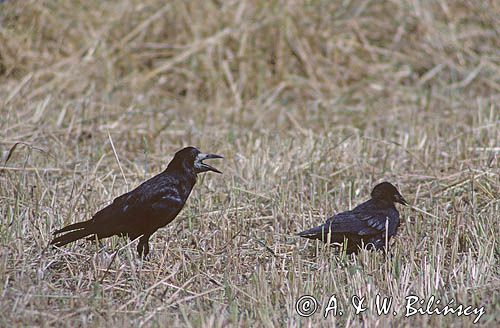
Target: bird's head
<point>192,158</point>
<point>387,192</point>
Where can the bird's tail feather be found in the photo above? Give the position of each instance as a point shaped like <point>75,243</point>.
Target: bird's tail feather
<point>74,226</point>
<point>70,237</point>
<point>74,231</point>
<point>319,232</point>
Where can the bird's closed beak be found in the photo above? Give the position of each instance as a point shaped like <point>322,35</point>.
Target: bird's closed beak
<point>401,200</point>
<point>206,167</point>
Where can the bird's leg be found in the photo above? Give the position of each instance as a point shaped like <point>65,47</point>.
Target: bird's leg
<point>146,249</point>
<point>143,246</point>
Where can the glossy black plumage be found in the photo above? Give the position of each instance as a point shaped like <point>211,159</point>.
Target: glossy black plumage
<point>366,225</point>
<point>150,206</point>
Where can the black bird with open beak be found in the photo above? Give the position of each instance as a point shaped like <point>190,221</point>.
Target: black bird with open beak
<point>150,206</point>
<point>370,224</point>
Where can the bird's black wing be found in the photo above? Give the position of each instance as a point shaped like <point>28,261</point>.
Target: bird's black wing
<point>150,206</point>
<point>348,222</point>
<point>345,223</point>
<point>359,221</point>
<point>378,221</point>
<point>156,201</point>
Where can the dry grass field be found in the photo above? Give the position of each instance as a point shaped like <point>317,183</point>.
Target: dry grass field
<point>311,103</point>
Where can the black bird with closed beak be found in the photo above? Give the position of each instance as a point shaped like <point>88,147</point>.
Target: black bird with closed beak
<point>150,206</point>
<point>368,225</point>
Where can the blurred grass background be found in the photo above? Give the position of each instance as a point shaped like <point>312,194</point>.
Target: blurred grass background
<point>311,102</point>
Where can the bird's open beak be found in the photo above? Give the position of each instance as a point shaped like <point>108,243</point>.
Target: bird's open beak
<point>401,200</point>
<point>207,167</point>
